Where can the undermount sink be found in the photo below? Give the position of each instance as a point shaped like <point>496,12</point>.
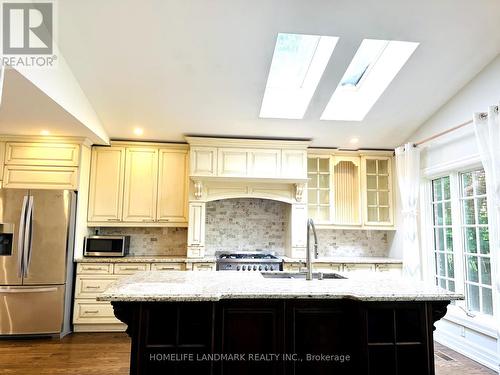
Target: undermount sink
<point>301,275</point>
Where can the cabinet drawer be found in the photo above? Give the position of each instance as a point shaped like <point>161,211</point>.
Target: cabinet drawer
<point>167,267</point>
<point>48,154</point>
<point>93,312</point>
<point>358,267</point>
<point>88,286</point>
<point>40,177</point>
<point>389,269</point>
<point>130,268</point>
<point>292,267</point>
<point>95,268</point>
<point>203,266</point>
<point>327,267</point>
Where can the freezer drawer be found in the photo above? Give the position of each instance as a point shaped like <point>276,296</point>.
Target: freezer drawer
<point>31,309</point>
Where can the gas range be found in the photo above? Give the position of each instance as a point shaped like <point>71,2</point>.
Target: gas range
<point>248,261</point>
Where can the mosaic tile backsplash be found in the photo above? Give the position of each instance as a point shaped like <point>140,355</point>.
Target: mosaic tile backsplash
<point>152,241</point>
<point>352,243</point>
<point>249,224</point>
<point>245,224</point>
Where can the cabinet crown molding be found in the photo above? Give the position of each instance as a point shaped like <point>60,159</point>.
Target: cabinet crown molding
<point>248,143</point>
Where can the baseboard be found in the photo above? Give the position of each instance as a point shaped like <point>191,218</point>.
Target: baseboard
<point>99,328</point>
<point>487,358</point>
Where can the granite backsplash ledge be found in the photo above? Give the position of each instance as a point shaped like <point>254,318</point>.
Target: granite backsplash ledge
<point>152,241</point>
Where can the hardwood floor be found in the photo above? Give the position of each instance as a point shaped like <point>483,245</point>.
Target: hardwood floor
<point>109,354</point>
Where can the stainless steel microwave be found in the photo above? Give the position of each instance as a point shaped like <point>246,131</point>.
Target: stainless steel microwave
<point>106,246</point>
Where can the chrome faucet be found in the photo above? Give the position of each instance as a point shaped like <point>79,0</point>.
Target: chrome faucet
<point>310,225</point>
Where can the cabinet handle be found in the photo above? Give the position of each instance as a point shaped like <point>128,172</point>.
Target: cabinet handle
<point>92,287</point>
<point>163,220</point>
<point>147,221</point>
<point>114,220</point>
<point>131,268</point>
<point>93,268</point>
<point>166,268</point>
<point>91,312</point>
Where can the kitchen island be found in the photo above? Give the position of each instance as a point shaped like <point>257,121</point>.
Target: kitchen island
<point>249,323</point>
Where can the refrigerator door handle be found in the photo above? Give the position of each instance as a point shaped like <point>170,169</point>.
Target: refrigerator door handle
<point>28,290</point>
<point>28,236</point>
<point>20,240</point>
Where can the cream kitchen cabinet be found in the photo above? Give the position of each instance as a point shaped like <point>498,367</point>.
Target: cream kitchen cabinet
<point>141,184</point>
<point>42,153</point>
<point>203,161</point>
<point>138,185</point>
<point>377,190</point>
<point>107,174</point>
<point>172,186</point>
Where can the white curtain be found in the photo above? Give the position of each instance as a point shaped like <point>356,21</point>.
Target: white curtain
<point>487,129</point>
<point>408,174</point>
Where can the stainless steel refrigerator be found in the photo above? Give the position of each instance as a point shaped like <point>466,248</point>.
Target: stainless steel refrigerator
<point>36,265</point>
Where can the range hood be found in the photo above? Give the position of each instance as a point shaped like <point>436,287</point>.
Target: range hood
<point>226,168</point>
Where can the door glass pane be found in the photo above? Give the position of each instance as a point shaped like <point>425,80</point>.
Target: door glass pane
<point>470,240</point>
<point>324,181</point>
<point>324,196</point>
<point>313,181</point>
<point>467,189</point>
<point>473,297</point>
<point>312,165</point>
<point>312,196</point>
<point>371,166</point>
<point>383,198</point>
<point>438,214</point>
<point>383,183</point>
<point>451,267</point>
<point>485,270</point>
<point>469,215</point>
<point>487,301</point>
<point>442,283</point>
<point>480,182</point>
<point>451,286</point>
<point>446,187</point>
<point>372,198</point>
<point>484,240</point>
<point>472,271</point>
<point>382,167</point>
<point>447,213</point>
<point>449,239</point>
<point>437,190</point>
<point>439,238</point>
<point>324,165</point>
<point>372,214</point>
<point>384,213</point>
<point>371,182</point>
<point>324,213</point>
<point>441,265</point>
<point>482,210</point>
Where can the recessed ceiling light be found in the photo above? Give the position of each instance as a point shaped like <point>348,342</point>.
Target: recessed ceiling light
<point>370,72</point>
<point>354,141</point>
<point>298,63</point>
<point>138,131</point>
<point>44,132</point>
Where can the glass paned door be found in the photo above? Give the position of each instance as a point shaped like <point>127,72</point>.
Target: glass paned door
<point>319,189</point>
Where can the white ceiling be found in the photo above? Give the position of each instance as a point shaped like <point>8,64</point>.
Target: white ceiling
<point>177,67</point>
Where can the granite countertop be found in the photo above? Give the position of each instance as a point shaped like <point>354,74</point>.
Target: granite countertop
<point>360,260</point>
<point>146,259</point>
<point>214,286</point>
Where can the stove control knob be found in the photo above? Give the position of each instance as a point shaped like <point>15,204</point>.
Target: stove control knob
<point>255,268</point>
<point>244,268</point>
<point>266,268</point>
<point>249,268</point>
<point>260,268</point>
<point>237,268</point>
<point>271,268</point>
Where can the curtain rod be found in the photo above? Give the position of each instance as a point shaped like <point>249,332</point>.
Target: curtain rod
<point>482,115</point>
<point>442,133</point>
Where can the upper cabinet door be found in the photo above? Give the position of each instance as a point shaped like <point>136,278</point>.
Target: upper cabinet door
<point>41,153</point>
<point>377,190</point>
<point>203,161</point>
<point>294,163</point>
<point>346,190</point>
<point>232,162</point>
<point>264,163</point>
<point>172,186</point>
<point>141,178</point>
<point>106,184</point>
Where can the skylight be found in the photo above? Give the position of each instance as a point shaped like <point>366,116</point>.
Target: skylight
<point>370,72</point>
<point>297,66</point>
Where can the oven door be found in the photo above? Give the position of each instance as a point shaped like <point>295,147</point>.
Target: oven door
<point>100,246</point>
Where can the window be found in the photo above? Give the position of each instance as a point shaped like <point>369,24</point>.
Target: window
<point>296,69</point>
<point>370,72</point>
<point>461,250</point>
<point>476,249</point>
<point>443,233</point>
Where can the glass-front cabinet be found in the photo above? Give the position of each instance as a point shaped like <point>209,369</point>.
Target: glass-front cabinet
<point>350,189</point>
<point>377,190</point>
<point>319,189</point>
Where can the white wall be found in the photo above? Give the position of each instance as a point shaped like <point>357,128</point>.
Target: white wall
<point>446,153</point>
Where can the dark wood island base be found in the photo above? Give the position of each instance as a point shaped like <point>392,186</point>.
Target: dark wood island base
<point>277,336</point>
